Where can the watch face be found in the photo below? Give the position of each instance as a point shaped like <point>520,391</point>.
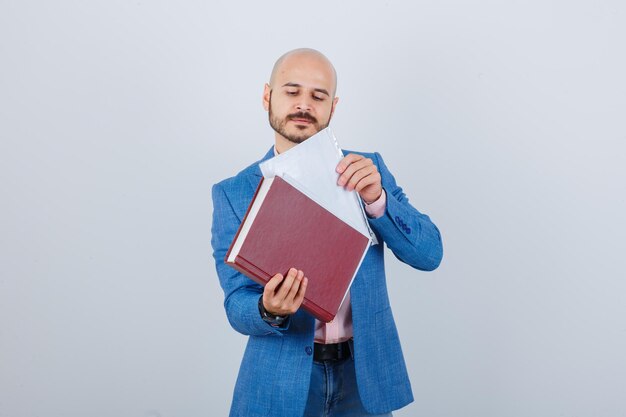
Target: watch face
<point>273,320</point>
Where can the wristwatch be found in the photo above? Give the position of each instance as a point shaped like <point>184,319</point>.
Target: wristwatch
<point>268,317</point>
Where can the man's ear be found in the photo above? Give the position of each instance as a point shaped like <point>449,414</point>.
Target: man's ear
<point>332,108</point>
<point>266,97</point>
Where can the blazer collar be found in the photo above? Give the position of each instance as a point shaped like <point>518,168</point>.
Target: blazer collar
<point>256,170</point>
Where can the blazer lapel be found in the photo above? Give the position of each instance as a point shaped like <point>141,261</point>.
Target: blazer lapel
<point>255,175</point>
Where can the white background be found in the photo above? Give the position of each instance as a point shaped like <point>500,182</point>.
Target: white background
<point>504,121</point>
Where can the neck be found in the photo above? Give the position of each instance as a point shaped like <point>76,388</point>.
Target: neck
<point>282,144</point>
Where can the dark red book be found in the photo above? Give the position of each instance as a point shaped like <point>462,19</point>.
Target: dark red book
<point>284,228</point>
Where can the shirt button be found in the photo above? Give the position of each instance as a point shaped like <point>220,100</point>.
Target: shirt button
<point>308,350</point>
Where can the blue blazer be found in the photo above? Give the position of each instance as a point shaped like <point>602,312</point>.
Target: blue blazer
<point>276,367</point>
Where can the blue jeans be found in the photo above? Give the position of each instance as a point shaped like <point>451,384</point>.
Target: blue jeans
<point>333,391</point>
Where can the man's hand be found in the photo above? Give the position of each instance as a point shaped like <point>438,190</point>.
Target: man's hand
<point>286,299</point>
<point>360,174</point>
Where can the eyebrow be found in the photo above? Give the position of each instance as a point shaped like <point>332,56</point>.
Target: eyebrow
<point>319,90</point>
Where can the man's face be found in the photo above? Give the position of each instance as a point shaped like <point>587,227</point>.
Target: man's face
<point>300,101</point>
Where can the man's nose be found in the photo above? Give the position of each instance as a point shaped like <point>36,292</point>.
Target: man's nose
<point>303,105</point>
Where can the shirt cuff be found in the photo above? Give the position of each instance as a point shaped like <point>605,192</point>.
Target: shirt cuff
<point>377,208</point>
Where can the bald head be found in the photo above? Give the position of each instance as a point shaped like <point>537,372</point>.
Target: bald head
<point>303,58</point>
<point>300,97</point>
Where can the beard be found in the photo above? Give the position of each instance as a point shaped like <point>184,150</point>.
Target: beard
<point>280,125</point>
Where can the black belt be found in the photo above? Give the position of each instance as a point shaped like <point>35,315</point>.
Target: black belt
<point>331,352</point>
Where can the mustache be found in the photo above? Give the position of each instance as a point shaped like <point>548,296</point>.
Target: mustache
<point>302,115</point>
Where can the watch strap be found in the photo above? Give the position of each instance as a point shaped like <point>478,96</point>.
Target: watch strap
<point>268,317</point>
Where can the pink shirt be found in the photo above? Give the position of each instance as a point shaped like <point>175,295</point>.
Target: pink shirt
<point>340,328</point>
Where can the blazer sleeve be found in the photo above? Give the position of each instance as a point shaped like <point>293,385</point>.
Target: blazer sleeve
<point>411,235</point>
<point>241,294</point>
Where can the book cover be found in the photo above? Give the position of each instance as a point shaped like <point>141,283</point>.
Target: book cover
<point>283,229</point>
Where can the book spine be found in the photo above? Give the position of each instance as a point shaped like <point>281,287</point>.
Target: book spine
<point>261,277</point>
<point>317,312</point>
<point>247,273</point>
<point>253,272</point>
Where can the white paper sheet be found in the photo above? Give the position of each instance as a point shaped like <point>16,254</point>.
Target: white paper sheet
<point>312,164</point>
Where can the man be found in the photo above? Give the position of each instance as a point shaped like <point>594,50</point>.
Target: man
<point>294,365</point>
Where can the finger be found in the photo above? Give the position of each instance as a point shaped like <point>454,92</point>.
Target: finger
<point>287,283</point>
<point>294,287</point>
<point>359,176</point>
<point>353,168</point>
<point>346,161</point>
<point>273,283</point>
<point>300,295</point>
<point>371,179</point>
<point>350,170</point>
<point>269,295</point>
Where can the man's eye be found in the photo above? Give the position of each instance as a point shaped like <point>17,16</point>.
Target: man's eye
<point>292,93</point>
<point>318,98</point>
